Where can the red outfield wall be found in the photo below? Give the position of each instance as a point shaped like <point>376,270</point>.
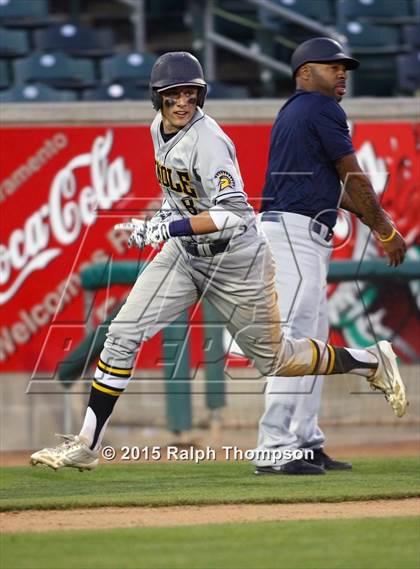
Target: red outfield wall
<point>63,188</point>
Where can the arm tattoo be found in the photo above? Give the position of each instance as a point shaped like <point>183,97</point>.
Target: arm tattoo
<point>358,188</point>
<point>347,204</point>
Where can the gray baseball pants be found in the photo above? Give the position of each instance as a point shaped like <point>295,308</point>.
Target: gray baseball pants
<point>239,283</point>
<point>290,419</point>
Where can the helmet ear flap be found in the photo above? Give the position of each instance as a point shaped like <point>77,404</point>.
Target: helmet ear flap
<point>202,93</point>
<point>156,99</point>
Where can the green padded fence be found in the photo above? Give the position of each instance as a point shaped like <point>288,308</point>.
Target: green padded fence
<point>176,354</point>
<point>100,275</point>
<point>371,270</point>
<point>214,357</point>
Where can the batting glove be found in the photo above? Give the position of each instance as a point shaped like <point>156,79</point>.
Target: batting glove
<point>137,227</point>
<point>157,233</point>
<point>161,215</point>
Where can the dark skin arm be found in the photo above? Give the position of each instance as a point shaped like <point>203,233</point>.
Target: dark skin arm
<point>359,197</point>
<point>348,205</point>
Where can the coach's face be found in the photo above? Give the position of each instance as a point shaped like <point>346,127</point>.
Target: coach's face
<point>178,107</point>
<point>326,78</point>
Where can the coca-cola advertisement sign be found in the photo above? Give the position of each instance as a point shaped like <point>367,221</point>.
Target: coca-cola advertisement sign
<point>62,189</point>
<point>59,222</point>
<point>56,187</point>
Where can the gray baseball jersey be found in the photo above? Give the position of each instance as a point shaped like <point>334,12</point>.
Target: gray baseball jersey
<point>197,169</point>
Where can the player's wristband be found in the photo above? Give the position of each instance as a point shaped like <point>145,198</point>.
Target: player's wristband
<point>180,227</point>
<point>389,238</point>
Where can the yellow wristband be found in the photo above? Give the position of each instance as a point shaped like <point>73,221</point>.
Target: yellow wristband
<point>390,238</point>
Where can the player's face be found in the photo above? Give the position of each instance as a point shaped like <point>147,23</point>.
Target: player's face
<point>178,107</point>
<point>329,78</point>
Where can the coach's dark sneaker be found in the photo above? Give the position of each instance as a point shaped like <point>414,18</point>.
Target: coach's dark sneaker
<point>321,458</point>
<point>298,466</point>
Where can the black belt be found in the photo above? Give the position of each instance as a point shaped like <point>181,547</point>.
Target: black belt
<point>320,228</point>
<point>206,249</point>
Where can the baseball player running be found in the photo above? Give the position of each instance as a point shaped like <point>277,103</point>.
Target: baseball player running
<point>310,152</point>
<point>212,248</point>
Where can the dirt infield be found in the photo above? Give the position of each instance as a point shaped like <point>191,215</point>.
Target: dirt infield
<point>106,518</point>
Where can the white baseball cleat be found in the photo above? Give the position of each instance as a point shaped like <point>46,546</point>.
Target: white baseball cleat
<point>387,377</point>
<point>71,452</point>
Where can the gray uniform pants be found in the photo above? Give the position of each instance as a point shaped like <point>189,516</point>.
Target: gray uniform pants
<point>239,283</point>
<point>290,419</point>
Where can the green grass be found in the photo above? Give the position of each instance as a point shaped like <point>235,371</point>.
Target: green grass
<point>340,544</point>
<point>163,484</point>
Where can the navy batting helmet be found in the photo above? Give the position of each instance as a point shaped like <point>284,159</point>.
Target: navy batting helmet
<point>321,50</point>
<point>174,69</point>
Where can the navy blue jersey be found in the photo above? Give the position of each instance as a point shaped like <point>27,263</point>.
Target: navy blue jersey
<point>308,136</point>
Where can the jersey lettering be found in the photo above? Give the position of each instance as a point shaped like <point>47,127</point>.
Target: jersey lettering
<point>176,188</point>
<point>183,186</point>
<point>185,181</point>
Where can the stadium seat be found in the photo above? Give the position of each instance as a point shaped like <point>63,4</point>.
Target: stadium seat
<point>320,10</point>
<point>373,9</point>
<point>128,68</point>
<point>169,13</point>
<point>13,43</point>
<point>159,8</point>
<point>56,69</point>
<point>411,36</point>
<point>117,92</point>
<point>24,13</point>
<point>217,90</point>
<point>76,40</point>
<point>35,93</point>
<point>376,76</point>
<point>4,74</point>
<point>384,39</point>
<point>237,21</point>
<point>408,73</point>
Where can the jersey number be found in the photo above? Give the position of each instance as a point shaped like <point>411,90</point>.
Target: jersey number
<point>189,205</point>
